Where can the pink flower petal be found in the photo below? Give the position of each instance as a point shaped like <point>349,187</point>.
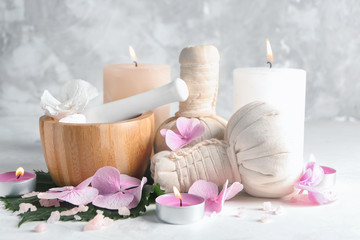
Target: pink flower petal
<point>136,192</point>
<point>84,183</point>
<point>234,189</point>
<point>163,132</point>
<point>52,195</point>
<point>215,205</point>
<point>128,182</point>
<point>313,175</point>
<point>82,196</point>
<point>204,189</point>
<point>322,197</point>
<point>185,126</point>
<point>222,194</point>
<point>197,132</point>
<point>106,180</point>
<point>212,206</point>
<point>61,189</point>
<point>113,201</point>
<point>174,141</point>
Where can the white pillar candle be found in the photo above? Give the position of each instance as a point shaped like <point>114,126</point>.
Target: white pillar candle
<point>282,88</point>
<point>285,90</point>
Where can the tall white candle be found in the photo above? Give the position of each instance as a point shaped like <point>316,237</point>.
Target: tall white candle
<point>282,88</point>
<point>285,90</point>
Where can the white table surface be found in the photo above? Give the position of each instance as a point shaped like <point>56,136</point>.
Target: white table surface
<point>335,144</point>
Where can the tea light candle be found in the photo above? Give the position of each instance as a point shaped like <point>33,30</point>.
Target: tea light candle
<point>16,183</point>
<point>176,208</point>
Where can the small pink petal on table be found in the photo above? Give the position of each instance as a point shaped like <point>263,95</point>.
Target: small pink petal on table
<point>42,227</point>
<point>54,217</point>
<point>31,194</point>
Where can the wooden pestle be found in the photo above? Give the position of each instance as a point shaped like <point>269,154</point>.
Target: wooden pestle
<point>199,68</point>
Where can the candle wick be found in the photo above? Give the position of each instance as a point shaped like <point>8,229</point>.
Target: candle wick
<point>136,64</point>
<point>18,176</point>
<point>270,64</point>
<point>180,202</point>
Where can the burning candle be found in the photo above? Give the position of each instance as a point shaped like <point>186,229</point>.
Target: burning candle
<point>179,208</point>
<point>17,183</point>
<point>125,80</point>
<point>283,88</point>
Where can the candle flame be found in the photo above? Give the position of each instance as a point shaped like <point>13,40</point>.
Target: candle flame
<point>19,172</point>
<point>132,53</point>
<point>269,54</point>
<point>177,193</point>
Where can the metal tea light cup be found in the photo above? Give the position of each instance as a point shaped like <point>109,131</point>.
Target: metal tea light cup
<point>168,208</point>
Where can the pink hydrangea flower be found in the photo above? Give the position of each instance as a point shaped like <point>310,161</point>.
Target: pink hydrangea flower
<point>188,129</point>
<point>209,191</point>
<point>116,190</point>
<point>82,194</point>
<point>313,175</point>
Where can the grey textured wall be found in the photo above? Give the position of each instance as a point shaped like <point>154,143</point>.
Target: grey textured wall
<point>44,43</point>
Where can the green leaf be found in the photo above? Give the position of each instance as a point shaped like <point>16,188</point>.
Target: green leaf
<point>44,182</point>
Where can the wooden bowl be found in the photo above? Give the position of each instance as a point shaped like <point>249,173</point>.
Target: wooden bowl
<point>74,152</point>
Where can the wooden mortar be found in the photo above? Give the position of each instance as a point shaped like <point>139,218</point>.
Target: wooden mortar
<point>74,152</point>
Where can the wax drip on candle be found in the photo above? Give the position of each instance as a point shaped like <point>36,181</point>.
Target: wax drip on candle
<point>133,55</point>
<point>177,194</point>
<point>269,54</point>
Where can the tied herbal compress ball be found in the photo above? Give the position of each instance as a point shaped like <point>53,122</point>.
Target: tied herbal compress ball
<point>256,151</point>
<point>199,68</point>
